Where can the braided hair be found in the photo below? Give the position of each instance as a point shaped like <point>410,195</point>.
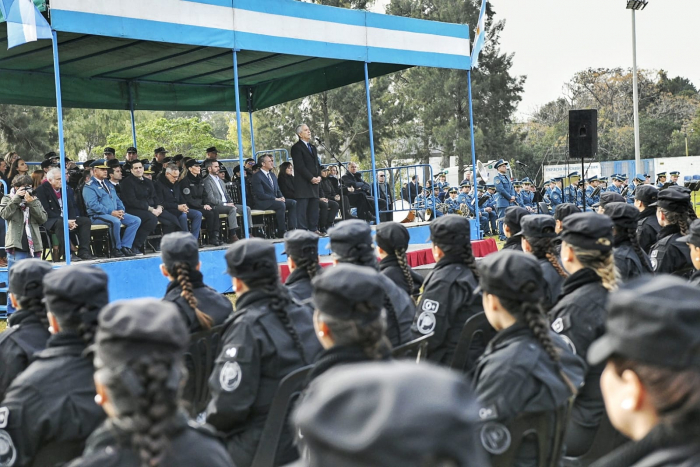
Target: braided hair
<point>534,316</point>
<point>463,251</point>
<point>35,305</point>
<point>149,414</point>
<point>308,262</point>
<point>631,233</point>
<point>371,336</point>
<point>400,254</point>
<point>181,272</point>
<point>544,248</point>
<point>602,263</point>
<point>682,219</point>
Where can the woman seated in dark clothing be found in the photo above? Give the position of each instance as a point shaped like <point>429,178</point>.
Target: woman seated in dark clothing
<point>348,317</point>
<point>329,203</point>
<point>392,243</point>
<point>285,179</point>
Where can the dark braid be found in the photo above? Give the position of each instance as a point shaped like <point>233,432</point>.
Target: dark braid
<point>309,263</point>
<point>370,336</point>
<point>391,315</point>
<point>543,248</point>
<point>632,235</point>
<point>677,218</point>
<point>35,305</point>
<point>181,272</point>
<point>87,327</point>
<point>403,263</point>
<point>468,258</point>
<point>535,318</point>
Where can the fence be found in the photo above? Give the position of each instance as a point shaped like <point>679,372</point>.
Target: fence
<point>398,179</point>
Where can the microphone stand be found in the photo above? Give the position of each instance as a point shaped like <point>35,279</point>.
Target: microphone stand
<point>341,166</point>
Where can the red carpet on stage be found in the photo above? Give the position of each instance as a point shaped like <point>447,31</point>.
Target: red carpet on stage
<point>415,258</point>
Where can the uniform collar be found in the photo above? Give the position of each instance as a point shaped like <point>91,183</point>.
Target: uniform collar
<point>23,317</point>
<point>63,343</point>
<point>579,279</point>
<point>508,335</point>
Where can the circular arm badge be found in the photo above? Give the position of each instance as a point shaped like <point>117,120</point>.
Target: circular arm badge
<point>8,452</point>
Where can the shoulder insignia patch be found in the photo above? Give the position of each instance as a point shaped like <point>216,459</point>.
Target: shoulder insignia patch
<point>4,416</point>
<point>426,322</point>
<point>230,376</point>
<point>558,325</point>
<point>654,254</point>
<point>185,191</point>
<point>495,438</point>
<point>8,452</point>
<point>89,182</point>
<point>430,306</point>
<point>497,181</point>
<point>488,413</point>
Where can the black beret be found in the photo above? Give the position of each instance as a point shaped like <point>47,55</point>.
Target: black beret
<point>191,163</point>
<point>45,164</point>
<point>337,291</point>
<point>131,149</point>
<point>652,320</point>
<point>212,149</point>
<point>450,230</point>
<point>130,328</point>
<point>109,150</point>
<point>26,278</point>
<point>610,197</point>
<point>113,163</point>
<point>693,236</point>
<point>390,414</point>
<point>252,258</point>
<point>177,157</point>
<point>674,199</point>
<point>351,239</point>
<point>71,288</point>
<point>538,226</point>
<point>622,214</point>
<point>159,150</point>
<point>50,155</point>
<point>512,275</point>
<point>647,194</point>
<point>392,236</point>
<point>589,231</point>
<point>301,244</point>
<point>563,210</point>
<point>514,216</point>
<point>179,247</point>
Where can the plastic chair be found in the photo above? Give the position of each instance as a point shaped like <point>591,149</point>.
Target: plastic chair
<point>417,348</point>
<point>606,440</point>
<point>287,393</point>
<point>476,328</point>
<point>548,432</point>
<point>199,361</point>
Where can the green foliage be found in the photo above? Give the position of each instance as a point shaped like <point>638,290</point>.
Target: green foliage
<point>29,131</point>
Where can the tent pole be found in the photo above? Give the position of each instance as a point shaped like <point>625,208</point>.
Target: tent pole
<point>131,110</point>
<point>61,147</point>
<point>371,147</point>
<point>250,114</point>
<point>244,215</point>
<point>471,128</point>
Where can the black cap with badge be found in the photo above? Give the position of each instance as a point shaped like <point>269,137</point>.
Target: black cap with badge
<point>192,163</point>
<point>109,150</point>
<point>26,278</point>
<point>338,291</point>
<point>609,197</point>
<point>131,150</point>
<point>589,231</point>
<point>564,210</point>
<point>252,258</point>
<point>693,236</point>
<point>160,150</point>
<point>76,289</point>
<point>674,199</point>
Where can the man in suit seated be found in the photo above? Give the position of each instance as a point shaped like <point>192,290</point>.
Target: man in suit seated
<point>268,195</point>
<point>49,194</point>
<point>359,193</point>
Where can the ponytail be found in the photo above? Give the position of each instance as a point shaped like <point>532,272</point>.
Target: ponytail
<point>371,337</point>
<point>543,248</point>
<point>602,263</point>
<point>181,272</point>
<point>632,235</point>
<point>308,263</point>
<point>682,219</point>
<point>403,263</point>
<point>35,305</point>
<point>464,252</point>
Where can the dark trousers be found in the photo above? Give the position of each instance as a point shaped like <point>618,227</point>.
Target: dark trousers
<point>148,225</point>
<point>280,207</point>
<point>307,213</point>
<point>81,232</point>
<point>385,216</point>
<point>327,214</point>
<point>362,203</point>
<point>212,221</point>
<point>172,223</point>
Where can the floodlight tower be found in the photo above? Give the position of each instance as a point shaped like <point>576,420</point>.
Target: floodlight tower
<point>636,5</point>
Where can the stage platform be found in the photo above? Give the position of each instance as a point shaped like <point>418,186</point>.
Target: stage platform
<point>140,277</point>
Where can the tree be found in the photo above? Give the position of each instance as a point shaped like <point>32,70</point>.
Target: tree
<point>29,131</point>
<point>88,129</point>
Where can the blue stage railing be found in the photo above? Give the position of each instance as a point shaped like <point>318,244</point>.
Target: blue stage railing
<point>398,179</point>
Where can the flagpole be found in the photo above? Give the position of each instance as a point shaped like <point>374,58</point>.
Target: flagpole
<point>471,129</point>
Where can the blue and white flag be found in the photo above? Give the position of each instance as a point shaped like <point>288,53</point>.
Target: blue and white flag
<point>479,36</point>
<point>24,22</point>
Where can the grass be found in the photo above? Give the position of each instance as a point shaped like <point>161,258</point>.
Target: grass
<point>3,325</point>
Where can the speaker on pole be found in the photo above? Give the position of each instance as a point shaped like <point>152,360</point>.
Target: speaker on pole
<point>583,133</point>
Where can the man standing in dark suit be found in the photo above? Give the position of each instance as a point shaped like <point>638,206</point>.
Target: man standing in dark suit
<point>307,177</point>
<point>267,195</point>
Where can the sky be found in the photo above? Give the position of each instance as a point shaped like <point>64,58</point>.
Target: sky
<point>554,39</point>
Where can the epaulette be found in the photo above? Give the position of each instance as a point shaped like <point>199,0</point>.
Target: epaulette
<point>89,182</point>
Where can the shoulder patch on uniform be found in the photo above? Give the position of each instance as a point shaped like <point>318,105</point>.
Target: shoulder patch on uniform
<point>185,191</point>
<point>488,413</point>
<point>426,322</point>
<point>89,182</point>
<point>495,438</point>
<point>4,416</point>
<point>569,343</point>
<point>230,376</point>
<point>561,324</point>
<point>8,452</point>
<point>497,181</point>
<point>431,306</point>
<point>654,254</point>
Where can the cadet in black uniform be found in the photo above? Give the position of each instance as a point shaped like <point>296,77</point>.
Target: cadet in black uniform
<point>49,410</point>
<point>348,317</point>
<point>268,337</point>
<point>526,368</point>
<point>351,242</point>
<point>647,225</point>
<point>28,327</point>
<point>511,227</point>
<point>301,247</point>
<point>448,292</point>
<point>138,370</point>
<point>200,306</point>
<point>630,260</point>
<point>651,382</point>
<point>538,238</point>
<point>607,198</point>
<point>693,241</point>
<point>392,243</point>
<point>579,315</point>
<point>563,211</point>
<point>375,414</point>
<point>667,255</point>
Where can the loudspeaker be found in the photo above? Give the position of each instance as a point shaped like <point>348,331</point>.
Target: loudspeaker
<point>583,133</point>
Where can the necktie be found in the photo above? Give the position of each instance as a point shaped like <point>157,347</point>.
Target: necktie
<point>269,177</point>
<point>308,145</point>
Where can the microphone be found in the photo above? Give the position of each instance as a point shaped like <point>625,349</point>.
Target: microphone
<point>318,140</point>
<point>520,163</point>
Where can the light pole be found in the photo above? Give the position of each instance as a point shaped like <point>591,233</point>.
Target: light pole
<point>635,5</point>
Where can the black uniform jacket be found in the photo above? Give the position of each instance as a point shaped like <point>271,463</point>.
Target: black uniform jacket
<point>657,449</point>
<point>553,279</point>
<point>444,307</point>
<point>299,284</point>
<point>513,243</point>
<point>647,229</point>
<point>695,278</point>
<point>398,330</point>
<point>579,318</point>
<point>306,167</point>
<point>169,194</point>
<point>257,352</point>
<point>389,266</point>
<point>24,337</point>
<point>669,256</point>
<point>192,190</point>
<point>211,302</point>
<point>139,194</point>
<point>191,445</point>
<point>50,408</point>
<point>627,262</point>
<point>340,355</point>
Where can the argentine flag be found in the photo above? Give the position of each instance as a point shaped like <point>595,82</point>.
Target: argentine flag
<point>479,36</point>
<point>24,22</point>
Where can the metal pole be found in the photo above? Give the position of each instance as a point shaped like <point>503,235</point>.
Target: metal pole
<point>61,147</point>
<point>686,145</point>
<point>244,214</point>
<point>635,97</point>
<point>471,129</point>
<point>250,113</point>
<point>371,146</point>
<point>131,110</point>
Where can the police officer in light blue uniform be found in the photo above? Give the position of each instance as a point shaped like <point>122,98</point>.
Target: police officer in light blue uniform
<point>674,177</point>
<point>518,187</point>
<point>451,201</point>
<point>593,183</point>
<point>465,197</point>
<point>506,193</point>
<point>616,185</point>
<point>527,196</point>
<point>570,190</point>
<point>548,188</point>
<point>660,179</point>
<point>442,182</point>
<point>485,216</point>
<point>603,184</point>
<point>555,195</point>
<point>638,180</point>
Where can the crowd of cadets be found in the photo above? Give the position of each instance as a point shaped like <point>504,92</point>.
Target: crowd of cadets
<point>577,325</point>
